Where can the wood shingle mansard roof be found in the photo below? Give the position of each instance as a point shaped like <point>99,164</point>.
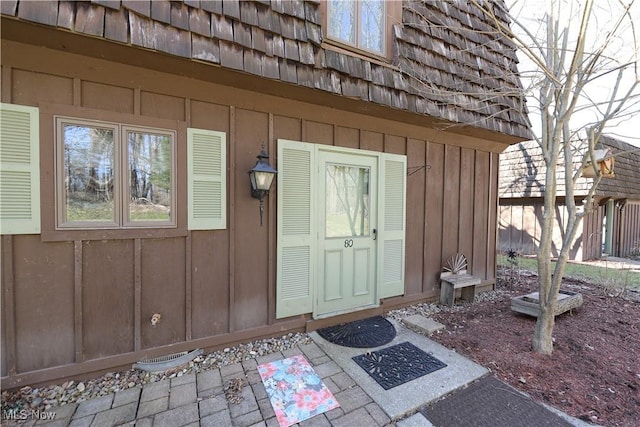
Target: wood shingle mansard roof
<point>522,172</point>
<point>448,63</point>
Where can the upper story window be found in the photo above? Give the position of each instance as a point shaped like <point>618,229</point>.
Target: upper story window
<point>361,28</point>
<point>112,175</point>
<point>359,23</point>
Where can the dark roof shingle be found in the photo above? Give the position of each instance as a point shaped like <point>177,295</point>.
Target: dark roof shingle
<point>522,172</point>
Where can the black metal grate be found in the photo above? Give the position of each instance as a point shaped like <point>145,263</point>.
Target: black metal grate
<point>398,364</point>
<point>365,333</point>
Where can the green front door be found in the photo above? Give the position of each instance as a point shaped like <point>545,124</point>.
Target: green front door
<point>340,234</point>
<point>347,215</point>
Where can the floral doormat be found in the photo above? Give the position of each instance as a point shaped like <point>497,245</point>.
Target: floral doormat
<point>295,390</point>
<point>398,364</point>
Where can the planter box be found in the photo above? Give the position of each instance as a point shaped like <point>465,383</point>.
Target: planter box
<point>529,304</point>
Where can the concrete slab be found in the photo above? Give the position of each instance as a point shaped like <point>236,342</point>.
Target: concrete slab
<point>422,324</point>
<point>407,398</point>
<point>415,420</point>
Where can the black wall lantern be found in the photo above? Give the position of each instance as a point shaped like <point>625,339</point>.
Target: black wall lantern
<point>261,176</point>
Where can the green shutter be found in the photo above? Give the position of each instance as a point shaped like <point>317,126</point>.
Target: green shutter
<point>392,209</point>
<point>19,170</point>
<point>207,179</point>
<point>295,273</point>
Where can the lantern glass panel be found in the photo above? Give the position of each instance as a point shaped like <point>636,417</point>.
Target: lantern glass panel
<point>264,180</point>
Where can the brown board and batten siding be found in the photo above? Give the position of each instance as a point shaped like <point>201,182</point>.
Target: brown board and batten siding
<point>96,296</point>
<point>77,302</point>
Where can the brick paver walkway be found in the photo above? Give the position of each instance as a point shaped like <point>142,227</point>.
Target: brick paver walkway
<point>199,400</point>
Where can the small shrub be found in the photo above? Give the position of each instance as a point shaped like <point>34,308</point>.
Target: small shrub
<point>635,250</point>
<point>612,285</point>
<point>512,276</point>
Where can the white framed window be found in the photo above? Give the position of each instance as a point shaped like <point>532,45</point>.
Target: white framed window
<point>108,175</point>
<point>360,23</point>
<point>114,175</point>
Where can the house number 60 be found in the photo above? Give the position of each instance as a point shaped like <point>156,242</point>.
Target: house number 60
<point>348,243</point>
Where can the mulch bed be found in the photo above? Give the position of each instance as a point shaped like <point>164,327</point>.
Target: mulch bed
<point>594,371</point>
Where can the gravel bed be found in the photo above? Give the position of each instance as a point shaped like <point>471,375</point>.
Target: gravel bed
<point>429,309</point>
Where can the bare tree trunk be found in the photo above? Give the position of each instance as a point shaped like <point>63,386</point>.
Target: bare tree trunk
<point>542,336</point>
<point>543,332</point>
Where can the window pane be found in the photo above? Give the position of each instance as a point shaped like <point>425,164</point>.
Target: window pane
<point>149,176</point>
<point>342,20</point>
<point>347,201</point>
<point>88,173</point>
<point>372,24</point>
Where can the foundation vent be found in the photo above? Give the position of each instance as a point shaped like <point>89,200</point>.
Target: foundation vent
<point>164,363</point>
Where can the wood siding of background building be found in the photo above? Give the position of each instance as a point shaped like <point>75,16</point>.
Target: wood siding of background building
<point>522,172</point>
<point>73,305</point>
<point>593,234</point>
<point>626,230</point>
<point>521,192</point>
<point>520,222</point>
<point>519,229</point>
